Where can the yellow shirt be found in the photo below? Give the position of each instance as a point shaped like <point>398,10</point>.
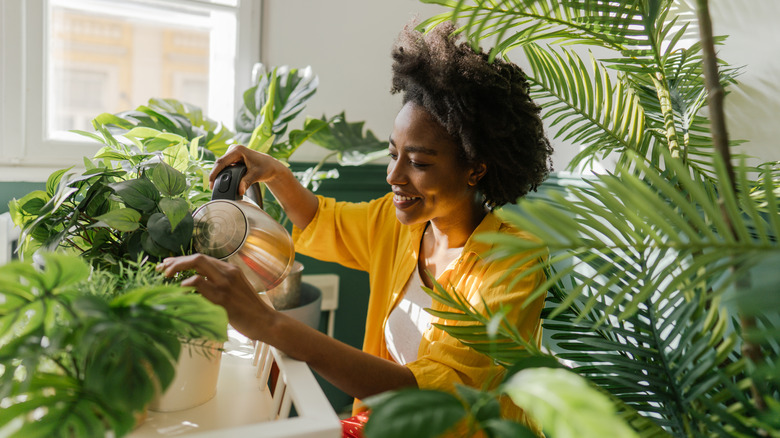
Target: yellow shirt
<point>368,237</point>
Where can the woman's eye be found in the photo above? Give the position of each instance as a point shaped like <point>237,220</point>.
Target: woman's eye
<point>392,155</point>
<point>418,165</point>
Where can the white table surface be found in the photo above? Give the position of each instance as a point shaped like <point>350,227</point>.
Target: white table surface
<point>242,405</point>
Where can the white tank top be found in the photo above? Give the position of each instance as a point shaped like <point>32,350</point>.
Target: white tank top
<point>409,320</point>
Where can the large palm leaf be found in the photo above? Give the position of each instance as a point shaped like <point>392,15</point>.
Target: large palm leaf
<point>659,89</point>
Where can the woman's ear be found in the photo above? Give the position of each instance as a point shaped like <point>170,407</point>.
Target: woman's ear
<point>476,173</point>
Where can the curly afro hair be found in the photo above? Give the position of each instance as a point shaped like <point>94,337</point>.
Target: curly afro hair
<point>484,105</point>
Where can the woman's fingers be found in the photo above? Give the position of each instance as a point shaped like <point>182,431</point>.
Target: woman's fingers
<point>202,264</point>
<point>234,154</point>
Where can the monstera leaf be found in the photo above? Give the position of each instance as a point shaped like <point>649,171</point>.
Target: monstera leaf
<point>347,140</point>
<point>293,88</point>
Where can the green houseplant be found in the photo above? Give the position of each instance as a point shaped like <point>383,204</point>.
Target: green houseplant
<point>83,351</point>
<point>61,370</point>
<point>654,276</point>
<point>137,193</point>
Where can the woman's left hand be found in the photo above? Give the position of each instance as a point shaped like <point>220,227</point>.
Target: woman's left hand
<point>225,285</point>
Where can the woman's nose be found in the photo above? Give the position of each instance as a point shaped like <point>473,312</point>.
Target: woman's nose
<point>394,173</point>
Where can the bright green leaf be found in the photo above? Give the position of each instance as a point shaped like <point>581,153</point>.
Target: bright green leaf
<point>168,180</point>
<point>139,194</point>
<point>565,404</point>
<point>123,219</point>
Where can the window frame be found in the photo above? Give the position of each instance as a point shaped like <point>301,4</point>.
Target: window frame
<point>26,154</point>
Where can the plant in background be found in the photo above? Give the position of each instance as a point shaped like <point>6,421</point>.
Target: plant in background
<point>138,192</point>
<point>273,102</point>
<point>662,259</point>
<point>134,199</point>
<point>82,352</point>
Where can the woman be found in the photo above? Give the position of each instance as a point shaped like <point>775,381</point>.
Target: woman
<point>467,139</point>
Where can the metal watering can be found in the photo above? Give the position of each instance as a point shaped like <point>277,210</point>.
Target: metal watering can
<point>237,230</point>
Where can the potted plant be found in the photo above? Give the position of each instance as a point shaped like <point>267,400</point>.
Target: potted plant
<point>655,274</point>
<point>84,351</point>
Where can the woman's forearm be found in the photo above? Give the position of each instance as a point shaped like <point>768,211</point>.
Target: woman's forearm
<point>353,371</point>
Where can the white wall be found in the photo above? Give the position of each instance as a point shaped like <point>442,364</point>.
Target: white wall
<point>348,42</point>
<point>753,106</point>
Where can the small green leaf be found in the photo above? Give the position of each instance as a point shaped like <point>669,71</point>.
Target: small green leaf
<point>177,239</point>
<point>413,413</point>
<point>175,209</point>
<point>139,193</point>
<point>110,119</point>
<point>142,132</point>
<point>123,219</point>
<point>54,179</point>
<point>168,180</point>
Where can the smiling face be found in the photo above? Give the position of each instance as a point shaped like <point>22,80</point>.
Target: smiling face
<point>427,176</point>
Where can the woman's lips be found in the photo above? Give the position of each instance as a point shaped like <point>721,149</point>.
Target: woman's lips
<point>402,201</point>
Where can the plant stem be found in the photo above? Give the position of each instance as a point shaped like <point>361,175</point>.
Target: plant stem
<point>715,94</point>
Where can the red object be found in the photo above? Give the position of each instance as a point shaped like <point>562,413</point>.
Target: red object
<point>353,427</point>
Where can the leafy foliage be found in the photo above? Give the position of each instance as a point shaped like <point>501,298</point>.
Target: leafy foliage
<point>646,96</point>
<point>134,199</point>
<point>273,102</point>
<point>79,356</point>
<point>658,257</point>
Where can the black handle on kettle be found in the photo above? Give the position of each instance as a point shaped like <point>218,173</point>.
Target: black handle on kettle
<point>226,185</point>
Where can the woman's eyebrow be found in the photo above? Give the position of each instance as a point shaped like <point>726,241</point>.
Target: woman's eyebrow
<point>421,150</point>
<point>417,149</point>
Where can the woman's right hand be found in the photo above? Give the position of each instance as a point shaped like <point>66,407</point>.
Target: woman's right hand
<point>297,201</point>
<point>260,167</point>
<point>225,285</point>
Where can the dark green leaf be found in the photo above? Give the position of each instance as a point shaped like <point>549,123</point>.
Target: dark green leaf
<point>176,240</point>
<point>348,140</point>
<point>123,219</point>
<point>139,194</point>
<point>175,209</point>
<point>413,413</point>
<point>168,180</point>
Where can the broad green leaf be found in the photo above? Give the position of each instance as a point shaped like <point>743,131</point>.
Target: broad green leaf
<point>565,404</point>
<point>123,219</point>
<point>139,193</point>
<point>142,132</point>
<point>168,180</point>
<point>177,156</point>
<point>413,413</point>
<point>177,239</point>
<point>291,89</point>
<point>190,315</point>
<point>60,270</point>
<point>353,147</point>
<point>175,209</point>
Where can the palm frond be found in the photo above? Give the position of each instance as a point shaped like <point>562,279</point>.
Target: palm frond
<point>513,23</point>
<point>589,108</point>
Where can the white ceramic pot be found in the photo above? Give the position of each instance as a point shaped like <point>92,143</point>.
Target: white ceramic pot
<point>195,383</point>
<point>310,306</point>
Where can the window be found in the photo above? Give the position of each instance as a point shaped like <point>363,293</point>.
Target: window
<point>66,61</point>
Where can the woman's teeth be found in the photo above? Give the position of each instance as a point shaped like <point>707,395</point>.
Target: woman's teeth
<point>403,198</point>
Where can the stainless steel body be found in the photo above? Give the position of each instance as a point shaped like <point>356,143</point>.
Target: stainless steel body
<point>241,233</point>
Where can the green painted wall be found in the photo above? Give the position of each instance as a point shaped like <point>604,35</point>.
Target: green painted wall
<point>11,190</point>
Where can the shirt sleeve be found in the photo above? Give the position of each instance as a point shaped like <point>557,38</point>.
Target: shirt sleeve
<point>340,232</point>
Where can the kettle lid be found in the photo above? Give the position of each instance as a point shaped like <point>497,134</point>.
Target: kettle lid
<point>221,228</point>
